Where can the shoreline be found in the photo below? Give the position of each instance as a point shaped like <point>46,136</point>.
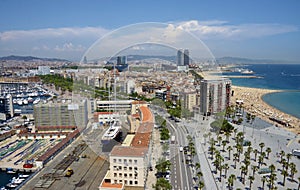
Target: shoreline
<point>253,102</point>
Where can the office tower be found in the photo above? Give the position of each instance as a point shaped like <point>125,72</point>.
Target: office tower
<point>121,60</point>
<point>180,57</point>
<point>214,95</point>
<point>186,57</point>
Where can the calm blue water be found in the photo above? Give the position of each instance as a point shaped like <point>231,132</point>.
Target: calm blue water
<point>5,178</point>
<point>275,76</point>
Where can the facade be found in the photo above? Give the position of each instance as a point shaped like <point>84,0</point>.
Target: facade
<point>180,58</point>
<point>121,106</point>
<point>186,57</point>
<point>189,100</point>
<point>121,60</point>
<point>214,95</point>
<point>43,70</point>
<point>183,57</point>
<point>64,113</point>
<point>129,162</point>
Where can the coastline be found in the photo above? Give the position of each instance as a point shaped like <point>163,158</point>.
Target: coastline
<point>254,104</point>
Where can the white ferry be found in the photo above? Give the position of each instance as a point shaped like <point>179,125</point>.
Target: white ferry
<point>112,132</point>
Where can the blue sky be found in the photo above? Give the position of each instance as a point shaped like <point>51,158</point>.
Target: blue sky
<point>66,29</point>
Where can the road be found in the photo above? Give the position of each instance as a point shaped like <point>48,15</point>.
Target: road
<point>181,174</point>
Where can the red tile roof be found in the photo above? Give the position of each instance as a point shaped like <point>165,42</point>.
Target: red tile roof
<point>128,151</point>
<point>112,186</point>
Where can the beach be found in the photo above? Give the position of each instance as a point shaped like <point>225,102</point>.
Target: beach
<point>254,104</point>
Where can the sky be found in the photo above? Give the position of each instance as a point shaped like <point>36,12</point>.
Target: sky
<point>260,29</point>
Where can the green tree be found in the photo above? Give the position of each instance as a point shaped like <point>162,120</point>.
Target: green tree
<point>293,170</point>
<point>268,150</point>
<point>263,180</point>
<point>201,185</point>
<point>261,145</point>
<point>162,184</point>
<point>251,179</point>
<point>231,180</point>
<point>229,148</point>
<point>284,173</point>
<point>255,151</point>
<point>226,167</point>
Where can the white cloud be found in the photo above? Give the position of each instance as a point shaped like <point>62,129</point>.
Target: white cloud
<point>224,30</point>
<point>72,42</point>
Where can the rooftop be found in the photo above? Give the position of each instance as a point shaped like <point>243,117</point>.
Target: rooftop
<point>141,140</point>
<point>128,151</point>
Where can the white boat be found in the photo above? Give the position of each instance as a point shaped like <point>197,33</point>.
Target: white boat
<point>18,181</point>
<point>23,175</point>
<point>25,101</point>
<point>112,132</point>
<point>247,71</point>
<point>36,101</point>
<point>30,100</point>
<point>11,185</point>
<point>20,102</point>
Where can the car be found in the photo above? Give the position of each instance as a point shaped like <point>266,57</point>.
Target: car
<point>167,177</point>
<point>181,149</point>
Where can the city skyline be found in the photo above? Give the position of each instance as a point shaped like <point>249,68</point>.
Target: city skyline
<point>260,30</point>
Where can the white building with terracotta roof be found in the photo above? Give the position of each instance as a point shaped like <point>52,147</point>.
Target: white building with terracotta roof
<point>129,162</point>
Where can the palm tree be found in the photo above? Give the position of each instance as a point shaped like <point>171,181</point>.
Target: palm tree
<point>263,180</point>
<point>255,151</point>
<point>199,174</point>
<point>197,165</point>
<point>282,153</point>
<point>284,173</point>
<point>226,167</point>
<point>247,163</point>
<point>235,132</point>
<point>231,180</point>
<point>272,168</point>
<point>224,144</point>
<point>288,157</point>
<point>272,179</point>
<point>235,158</point>
<point>254,169</point>
<point>229,148</point>
<point>201,184</point>
<point>219,138</point>
<point>268,150</point>
<point>261,145</point>
<point>260,160</point>
<point>251,179</point>
<point>243,171</point>
<point>293,170</point>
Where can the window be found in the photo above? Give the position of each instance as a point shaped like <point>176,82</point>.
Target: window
<point>135,182</point>
<point>120,181</point>
<point>135,161</point>
<point>125,175</point>
<point>125,182</point>
<point>125,168</point>
<point>120,174</point>
<point>130,161</point>
<point>120,167</point>
<point>120,160</point>
<point>125,161</point>
<point>135,168</point>
<point>115,174</point>
<point>115,167</point>
<point>130,168</point>
<point>116,181</point>
<point>115,160</point>
<point>130,182</point>
<point>130,175</point>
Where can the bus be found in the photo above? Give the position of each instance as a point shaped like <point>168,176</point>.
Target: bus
<point>172,139</point>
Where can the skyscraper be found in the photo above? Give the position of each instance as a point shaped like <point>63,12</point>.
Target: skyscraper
<point>183,57</point>
<point>186,57</point>
<point>121,60</point>
<point>214,95</point>
<point>180,57</point>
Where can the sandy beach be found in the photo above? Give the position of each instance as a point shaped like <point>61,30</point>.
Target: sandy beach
<point>253,103</point>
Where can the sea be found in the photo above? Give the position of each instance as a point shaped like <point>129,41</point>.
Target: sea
<point>274,76</point>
